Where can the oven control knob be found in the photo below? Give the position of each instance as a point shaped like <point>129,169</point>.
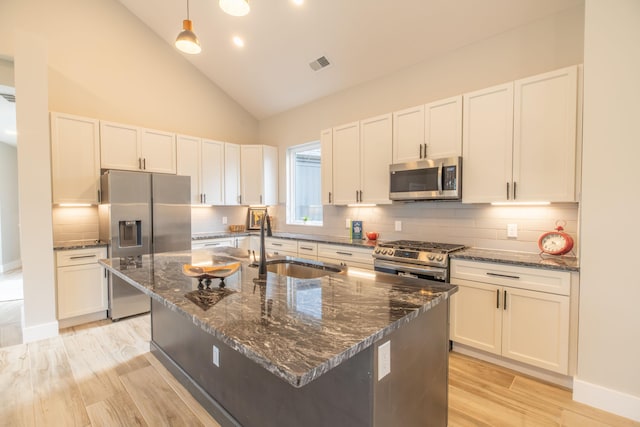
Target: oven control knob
<point>431,257</point>
<point>440,258</point>
<point>390,251</point>
<point>376,251</point>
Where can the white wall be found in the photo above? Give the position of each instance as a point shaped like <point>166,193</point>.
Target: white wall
<point>609,349</point>
<point>105,63</point>
<point>544,45</point>
<point>9,235</point>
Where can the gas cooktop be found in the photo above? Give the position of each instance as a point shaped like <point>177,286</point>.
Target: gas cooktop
<point>416,252</point>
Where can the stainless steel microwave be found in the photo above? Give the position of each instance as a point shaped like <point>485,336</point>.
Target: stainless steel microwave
<point>430,179</point>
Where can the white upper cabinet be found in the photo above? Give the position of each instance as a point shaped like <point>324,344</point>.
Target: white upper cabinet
<point>212,172</point>
<point>519,140</point>
<point>487,144</point>
<point>346,163</point>
<point>188,163</point>
<point>429,131</point>
<point>133,148</point>
<point>362,152</point>
<point>326,165</point>
<point>202,160</point>
<point>375,156</point>
<point>232,194</point>
<point>259,172</point>
<point>544,136</point>
<point>158,151</point>
<point>119,146</point>
<point>75,159</point>
<point>408,135</point>
<point>443,128</point>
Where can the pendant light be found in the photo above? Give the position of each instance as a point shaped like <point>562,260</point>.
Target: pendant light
<point>187,41</point>
<point>235,7</point>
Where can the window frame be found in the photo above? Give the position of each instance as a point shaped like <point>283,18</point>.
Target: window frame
<point>291,178</point>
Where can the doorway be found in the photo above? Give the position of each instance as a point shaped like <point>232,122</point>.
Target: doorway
<point>11,287</point>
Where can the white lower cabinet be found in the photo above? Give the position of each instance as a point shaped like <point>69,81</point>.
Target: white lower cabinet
<point>518,313</point>
<point>282,247</point>
<point>346,255</point>
<point>307,250</point>
<point>81,284</point>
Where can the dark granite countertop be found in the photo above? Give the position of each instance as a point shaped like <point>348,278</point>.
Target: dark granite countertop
<point>297,329</point>
<point>78,244</point>
<point>523,259</point>
<point>333,240</point>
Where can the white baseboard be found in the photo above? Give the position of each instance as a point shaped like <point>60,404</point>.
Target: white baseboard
<point>616,402</point>
<point>40,332</point>
<point>10,266</point>
<point>79,320</point>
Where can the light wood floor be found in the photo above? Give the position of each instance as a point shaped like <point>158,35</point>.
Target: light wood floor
<point>102,374</point>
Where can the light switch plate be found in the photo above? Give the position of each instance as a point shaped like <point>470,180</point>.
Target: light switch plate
<point>347,223</point>
<point>216,356</point>
<point>224,219</point>
<point>398,225</point>
<point>512,230</point>
<point>384,360</point>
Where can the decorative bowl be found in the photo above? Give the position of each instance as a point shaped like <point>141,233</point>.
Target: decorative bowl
<point>372,235</point>
<point>210,271</point>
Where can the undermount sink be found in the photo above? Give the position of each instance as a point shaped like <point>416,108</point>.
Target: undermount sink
<point>301,269</point>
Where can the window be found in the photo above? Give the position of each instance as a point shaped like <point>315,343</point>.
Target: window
<point>304,202</point>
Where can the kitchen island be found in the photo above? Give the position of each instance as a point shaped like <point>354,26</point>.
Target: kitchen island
<point>353,348</point>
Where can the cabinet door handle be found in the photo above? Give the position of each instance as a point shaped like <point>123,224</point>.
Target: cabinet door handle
<point>139,162</point>
<point>144,163</point>
<point>105,272</point>
<point>514,190</point>
<point>507,191</point>
<point>420,150</point>
<point>508,276</point>
<point>497,298</point>
<point>504,305</point>
<point>239,199</point>
<point>261,199</point>
<point>204,197</point>
<point>425,150</point>
<point>329,196</point>
<point>439,176</point>
<point>344,253</point>
<point>82,256</point>
<point>99,197</point>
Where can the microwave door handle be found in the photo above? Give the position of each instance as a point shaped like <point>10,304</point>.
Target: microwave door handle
<point>440,178</point>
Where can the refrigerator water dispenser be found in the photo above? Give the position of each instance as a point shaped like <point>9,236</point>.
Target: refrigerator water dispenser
<point>130,233</point>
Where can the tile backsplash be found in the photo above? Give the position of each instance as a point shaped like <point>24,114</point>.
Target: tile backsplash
<point>481,226</point>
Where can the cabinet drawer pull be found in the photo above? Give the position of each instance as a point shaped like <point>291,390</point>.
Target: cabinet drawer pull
<point>497,298</point>
<point>212,244</point>
<point>82,256</point>
<point>344,253</point>
<point>276,244</point>
<point>306,248</point>
<point>503,275</point>
<point>504,305</point>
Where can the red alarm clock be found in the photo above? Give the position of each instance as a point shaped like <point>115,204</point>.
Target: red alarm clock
<point>555,242</point>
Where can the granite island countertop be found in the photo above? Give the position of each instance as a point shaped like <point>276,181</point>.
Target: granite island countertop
<point>297,329</point>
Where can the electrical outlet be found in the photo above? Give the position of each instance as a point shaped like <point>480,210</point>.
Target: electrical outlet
<point>347,223</point>
<point>224,219</point>
<point>216,356</point>
<point>398,225</point>
<point>384,360</point>
<point>512,230</point>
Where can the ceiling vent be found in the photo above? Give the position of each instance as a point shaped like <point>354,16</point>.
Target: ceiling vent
<point>8,97</point>
<point>319,63</point>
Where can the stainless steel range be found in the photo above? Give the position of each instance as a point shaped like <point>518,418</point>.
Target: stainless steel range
<point>425,260</point>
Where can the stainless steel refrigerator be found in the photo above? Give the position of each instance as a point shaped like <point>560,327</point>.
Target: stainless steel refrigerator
<point>141,213</point>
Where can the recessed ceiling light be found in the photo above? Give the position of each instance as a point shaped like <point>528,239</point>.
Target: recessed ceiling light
<point>238,41</point>
<point>298,2</point>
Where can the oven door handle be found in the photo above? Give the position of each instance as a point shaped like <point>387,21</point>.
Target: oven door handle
<point>440,178</point>
<point>417,269</point>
